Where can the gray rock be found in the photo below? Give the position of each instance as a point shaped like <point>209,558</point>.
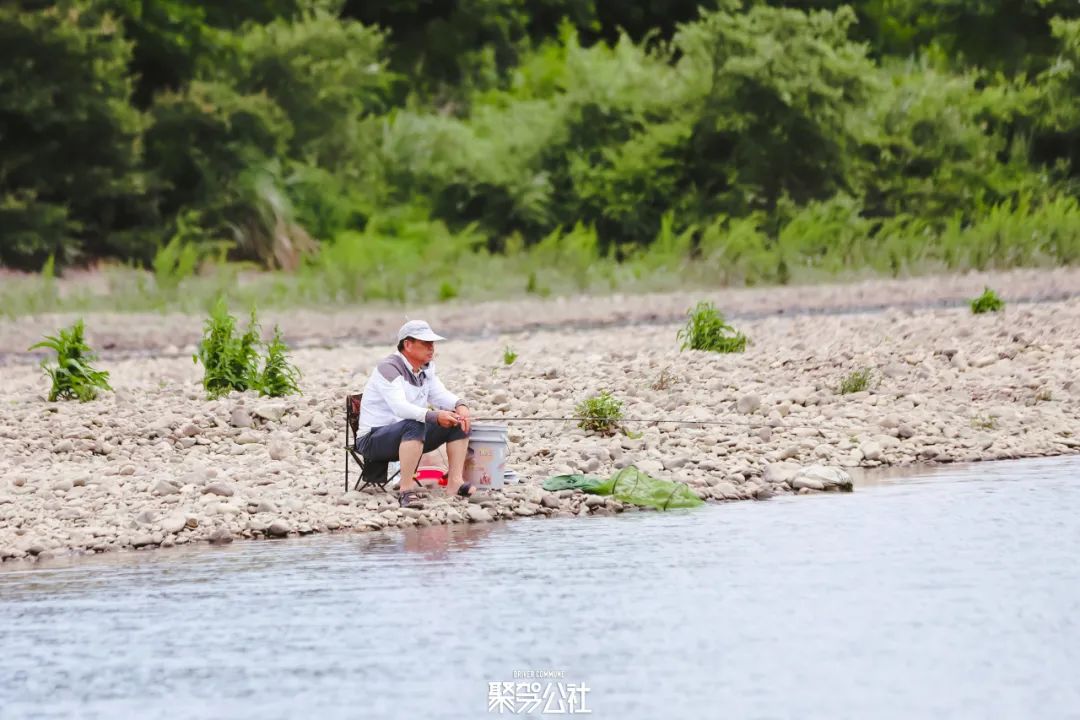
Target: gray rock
<point>778,473</point>
<point>650,467</point>
<point>477,513</point>
<point>143,541</point>
<point>240,417</point>
<point>748,404</point>
<point>189,430</point>
<point>220,536</point>
<point>725,490</point>
<point>821,477</point>
<point>905,431</point>
<point>164,487</point>
<point>279,528</point>
<point>595,500</point>
<point>525,510</point>
<point>676,462</point>
<point>63,485</point>
<point>219,488</point>
<point>270,411</point>
<point>871,450</point>
<point>550,501</point>
<point>278,449</point>
<point>64,446</point>
<point>174,523</point>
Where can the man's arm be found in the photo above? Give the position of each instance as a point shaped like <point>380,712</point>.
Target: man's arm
<point>440,397</point>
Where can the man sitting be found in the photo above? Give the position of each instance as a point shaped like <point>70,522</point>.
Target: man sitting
<point>395,423</point>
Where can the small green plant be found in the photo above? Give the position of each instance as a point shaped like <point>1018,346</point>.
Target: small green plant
<point>987,302</point>
<point>447,291</point>
<point>984,422</point>
<point>279,376</point>
<point>856,381</point>
<point>599,413</point>
<point>231,362</point>
<point>73,378</point>
<point>706,330</point>
<point>509,356</point>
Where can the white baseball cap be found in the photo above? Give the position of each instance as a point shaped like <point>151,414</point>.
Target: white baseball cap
<point>419,330</point>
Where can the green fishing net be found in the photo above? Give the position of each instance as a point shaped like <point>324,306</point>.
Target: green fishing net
<point>630,485</point>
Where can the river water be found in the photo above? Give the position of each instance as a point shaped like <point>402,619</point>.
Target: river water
<point>954,593</point>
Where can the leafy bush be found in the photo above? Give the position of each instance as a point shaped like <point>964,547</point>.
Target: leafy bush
<point>279,377</point>
<point>600,413</point>
<point>987,302</point>
<point>706,330</point>
<point>856,381</point>
<point>231,362</point>
<point>73,378</point>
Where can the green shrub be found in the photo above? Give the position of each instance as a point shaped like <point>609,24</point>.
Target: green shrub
<point>231,362</point>
<point>599,413</point>
<point>279,377</point>
<point>73,378</point>
<point>856,381</point>
<point>706,330</point>
<point>987,302</point>
<point>509,356</point>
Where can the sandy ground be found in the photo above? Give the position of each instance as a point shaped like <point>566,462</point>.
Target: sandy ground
<point>154,463</point>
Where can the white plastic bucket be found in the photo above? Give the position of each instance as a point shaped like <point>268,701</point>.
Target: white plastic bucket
<point>485,460</point>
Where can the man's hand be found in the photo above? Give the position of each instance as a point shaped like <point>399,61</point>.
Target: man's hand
<point>462,412</point>
<point>446,419</point>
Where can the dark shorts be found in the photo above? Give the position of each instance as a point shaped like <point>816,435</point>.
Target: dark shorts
<point>381,444</point>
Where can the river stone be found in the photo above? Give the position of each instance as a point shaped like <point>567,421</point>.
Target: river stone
<point>220,536</point>
<point>278,528</point>
<point>748,404</point>
<point>477,513</point>
<point>240,417</point>
<point>174,523</point>
<point>871,450</point>
<point>164,487</point>
<point>270,411</point>
<point>219,488</point>
<point>821,477</point>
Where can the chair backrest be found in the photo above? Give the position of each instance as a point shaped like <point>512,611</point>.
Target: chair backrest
<point>352,412</point>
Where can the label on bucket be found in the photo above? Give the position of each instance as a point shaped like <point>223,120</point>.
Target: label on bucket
<point>485,461</point>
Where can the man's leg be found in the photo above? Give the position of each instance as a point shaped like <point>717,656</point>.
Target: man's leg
<point>402,441</point>
<point>455,456</point>
<point>457,442</point>
<point>409,451</point>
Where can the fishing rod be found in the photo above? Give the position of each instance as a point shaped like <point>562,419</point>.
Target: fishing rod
<point>729,423</point>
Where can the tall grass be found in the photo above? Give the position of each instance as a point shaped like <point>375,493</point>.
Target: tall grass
<point>407,258</point>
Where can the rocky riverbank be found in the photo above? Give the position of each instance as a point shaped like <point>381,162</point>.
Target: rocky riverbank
<point>154,463</point>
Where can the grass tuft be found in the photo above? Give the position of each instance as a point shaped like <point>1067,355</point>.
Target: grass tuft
<point>73,378</point>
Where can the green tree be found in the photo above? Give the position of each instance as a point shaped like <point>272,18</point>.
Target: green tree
<point>70,177</point>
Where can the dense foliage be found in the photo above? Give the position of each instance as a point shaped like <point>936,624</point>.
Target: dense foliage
<point>371,144</point>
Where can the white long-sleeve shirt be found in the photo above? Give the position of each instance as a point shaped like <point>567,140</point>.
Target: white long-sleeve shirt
<point>395,392</point>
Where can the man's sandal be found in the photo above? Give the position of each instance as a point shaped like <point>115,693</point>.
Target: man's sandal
<point>409,499</point>
<point>463,491</point>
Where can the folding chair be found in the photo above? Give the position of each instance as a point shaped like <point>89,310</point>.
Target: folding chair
<point>371,473</point>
